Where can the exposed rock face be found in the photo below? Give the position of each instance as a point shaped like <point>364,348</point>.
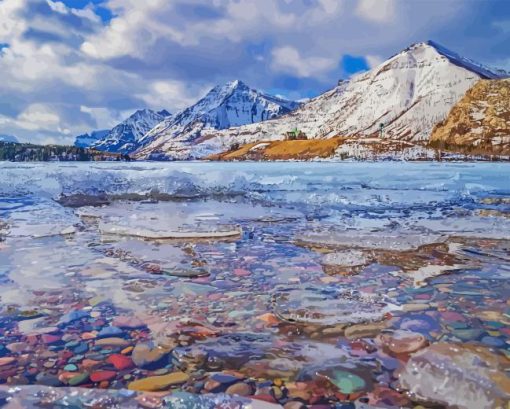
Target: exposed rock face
<point>480,120</point>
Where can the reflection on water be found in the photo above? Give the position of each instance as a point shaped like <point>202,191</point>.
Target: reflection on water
<point>355,285</point>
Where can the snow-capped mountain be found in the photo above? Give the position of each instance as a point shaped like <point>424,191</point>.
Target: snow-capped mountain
<point>88,139</point>
<point>124,138</point>
<point>8,138</point>
<point>408,95</point>
<point>231,105</point>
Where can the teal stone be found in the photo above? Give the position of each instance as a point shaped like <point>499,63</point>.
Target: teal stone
<point>468,334</point>
<point>457,325</point>
<point>72,344</point>
<point>347,382</point>
<point>70,368</point>
<point>76,358</point>
<point>494,324</point>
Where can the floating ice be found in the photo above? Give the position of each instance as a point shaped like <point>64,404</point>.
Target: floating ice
<point>347,258</point>
<point>223,232</point>
<point>389,240</point>
<point>328,305</point>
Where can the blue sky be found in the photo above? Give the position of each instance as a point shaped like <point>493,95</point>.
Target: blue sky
<point>70,66</point>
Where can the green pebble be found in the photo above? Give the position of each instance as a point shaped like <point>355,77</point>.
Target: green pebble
<point>79,379</point>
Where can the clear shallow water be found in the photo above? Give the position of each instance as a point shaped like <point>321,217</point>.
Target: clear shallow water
<point>319,259</point>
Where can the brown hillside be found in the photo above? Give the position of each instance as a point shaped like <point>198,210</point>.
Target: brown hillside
<point>283,150</point>
<point>479,122</point>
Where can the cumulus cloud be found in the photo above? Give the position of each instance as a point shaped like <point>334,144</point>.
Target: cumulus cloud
<point>380,11</point>
<point>373,60</point>
<point>287,59</point>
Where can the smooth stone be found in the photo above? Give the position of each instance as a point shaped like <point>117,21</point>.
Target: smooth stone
<point>17,347</point>
<point>90,363</point>
<point>49,364</point>
<point>402,342</point>
<point>44,330</point>
<point>72,344</point>
<point>7,360</point>
<point>112,342</point>
<point>47,380</point>
<point>72,316</point>
<point>347,382</point>
<point>120,362</point>
<point>239,388</point>
<point>493,341</point>
<point>95,301</point>
<point>162,371</point>
<point>468,334</point>
<point>70,368</point>
<point>110,332</point>
<point>127,322</point>
<point>75,359</point>
<point>415,307</point>
<point>79,379</point>
<point>294,404</point>
<point>127,350</point>
<point>335,331</point>
<point>158,383</point>
<point>368,330</point>
<point>81,348</point>
<point>100,376</point>
<point>89,335</point>
<point>421,323</point>
<point>458,375</point>
<point>224,379</point>
<point>150,356</point>
<point>50,339</point>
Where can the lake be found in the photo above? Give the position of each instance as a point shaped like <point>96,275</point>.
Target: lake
<point>255,284</point>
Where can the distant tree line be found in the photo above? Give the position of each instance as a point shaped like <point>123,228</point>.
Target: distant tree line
<point>27,152</point>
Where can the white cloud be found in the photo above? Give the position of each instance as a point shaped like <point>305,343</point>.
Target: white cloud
<point>174,94</point>
<point>37,117</point>
<point>373,60</point>
<point>380,11</point>
<point>10,25</point>
<point>104,118</point>
<point>288,60</point>
<point>61,8</point>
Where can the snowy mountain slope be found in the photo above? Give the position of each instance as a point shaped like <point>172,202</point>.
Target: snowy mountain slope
<point>230,105</point>
<point>88,139</point>
<point>124,138</point>
<point>8,138</point>
<point>409,94</point>
<point>482,70</point>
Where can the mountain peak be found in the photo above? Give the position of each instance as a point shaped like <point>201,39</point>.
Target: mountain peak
<point>229,105</point>
<point>235,84</point>
<point>164,113</point>
<point>124,137</point>
<point>456,59</point>
<point>221,92</point>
